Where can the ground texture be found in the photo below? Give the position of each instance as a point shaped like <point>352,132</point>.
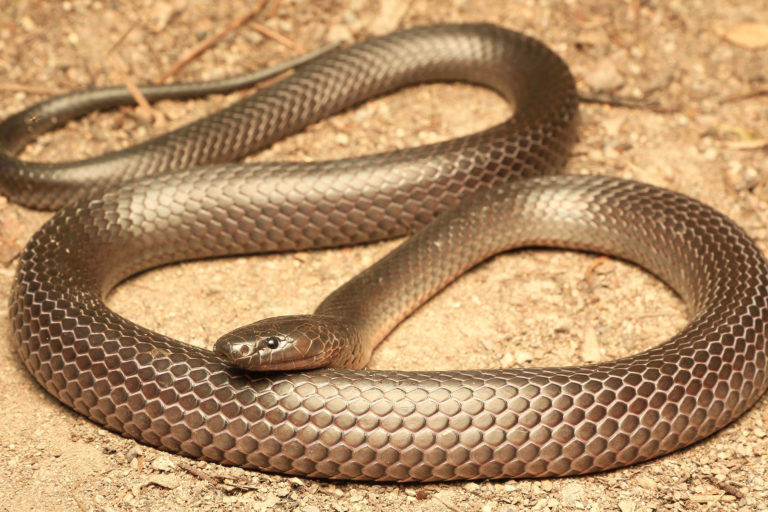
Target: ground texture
<point>700,81</point>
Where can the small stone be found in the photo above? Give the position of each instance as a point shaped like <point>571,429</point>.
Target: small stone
<point>646,483</point>
<point>507,360</point>
<point>283,490</point>
<point>612,126</point>
<point>603,76</point>
<point>592,38</point>
<point>163,463</point>
<point>564,324</point>
<point>390,14</point>
<point>546,486</point>
<point>165,481</point>
<point>523,356</point>
<point>752,178</point>
<point>445,496</point>
<point>611,153</point>
<point>342,139</point>
<point>160,14</point>
<point>572,494</point>
<point>627,506</point>
<point>339,33</point>
<point>749,35</point>
<point>590,347</point>
<point>595,155</point>
<point>268,503</point>
<point>134,452</point>
<point>28,23</point>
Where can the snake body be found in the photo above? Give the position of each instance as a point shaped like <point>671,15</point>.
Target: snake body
<point>384,425</point>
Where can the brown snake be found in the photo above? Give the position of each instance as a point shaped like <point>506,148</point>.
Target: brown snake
<point>378,425</point>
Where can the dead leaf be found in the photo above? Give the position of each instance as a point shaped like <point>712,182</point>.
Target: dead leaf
<point>748,35</point>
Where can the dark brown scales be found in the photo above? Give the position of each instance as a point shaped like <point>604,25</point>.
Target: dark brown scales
<point>383,425</point>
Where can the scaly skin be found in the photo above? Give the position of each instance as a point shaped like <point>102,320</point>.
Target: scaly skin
<point>386,425</point>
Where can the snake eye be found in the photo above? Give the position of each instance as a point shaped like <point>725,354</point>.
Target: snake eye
<point>273,342</point>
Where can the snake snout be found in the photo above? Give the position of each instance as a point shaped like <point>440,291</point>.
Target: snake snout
<point>232,349</point>
<point>280,343</point>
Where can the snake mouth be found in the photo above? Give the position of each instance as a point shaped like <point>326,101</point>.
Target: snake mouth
<point>291,365</point>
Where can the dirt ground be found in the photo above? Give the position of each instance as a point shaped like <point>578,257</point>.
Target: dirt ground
<point>702,128</point>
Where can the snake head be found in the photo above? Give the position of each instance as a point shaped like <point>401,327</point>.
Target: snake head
<point>298,342</point>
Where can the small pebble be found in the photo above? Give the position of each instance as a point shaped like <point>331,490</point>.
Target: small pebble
<point>646,483</point>
<point>523,356</point>
<point>134,452</point>
<point>165,481</point>
<point>590,347</point>
<point>603,76</point>
<point>28,23</point>
<point>572,494</point>
<point>627,506</point>
<point>339,33</point>
<point>163,463</point>
<point>283,490</point>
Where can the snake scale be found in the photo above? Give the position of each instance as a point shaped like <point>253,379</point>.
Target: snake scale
<point>363,424</point>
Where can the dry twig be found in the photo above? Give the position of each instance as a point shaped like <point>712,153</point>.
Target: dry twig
<point>272,34</point>
<point>746,96</point>
<point>122,37</point>
<point>632,103</point>
<point>118,65</point>
<point>140,99</point>
<point>74,497</point>
<point>198,473</point>
<point>728,488</point>
<point>78,503</point>
<point>210,41</point>
<point>31,89</point>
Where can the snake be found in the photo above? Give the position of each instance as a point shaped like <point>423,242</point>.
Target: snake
<point>292,394</point>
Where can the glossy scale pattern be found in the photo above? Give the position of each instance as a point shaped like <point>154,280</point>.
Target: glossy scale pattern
<point>385,425</point>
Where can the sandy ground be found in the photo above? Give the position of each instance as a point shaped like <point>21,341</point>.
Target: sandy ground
<point>697,134</point>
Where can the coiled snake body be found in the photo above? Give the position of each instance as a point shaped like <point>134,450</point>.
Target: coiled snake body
<point>380,425</point>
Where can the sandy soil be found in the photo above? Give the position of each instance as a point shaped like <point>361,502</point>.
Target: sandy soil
<point>697,134</point>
